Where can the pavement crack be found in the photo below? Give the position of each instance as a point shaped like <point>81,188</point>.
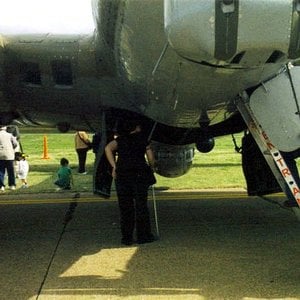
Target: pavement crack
<point>67,218</point>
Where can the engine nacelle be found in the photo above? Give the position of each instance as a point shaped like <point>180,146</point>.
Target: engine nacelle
<point>172,161</point>
<point>222,32</point>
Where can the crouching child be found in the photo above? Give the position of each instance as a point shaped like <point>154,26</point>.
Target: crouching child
<point>64,174</point>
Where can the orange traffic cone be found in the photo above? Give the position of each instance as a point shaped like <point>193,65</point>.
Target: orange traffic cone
<point>45,148</point>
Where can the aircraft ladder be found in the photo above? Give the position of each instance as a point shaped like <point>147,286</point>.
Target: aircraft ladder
<point>272,155</point>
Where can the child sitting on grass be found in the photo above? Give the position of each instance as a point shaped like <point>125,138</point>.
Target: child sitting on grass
<point>65,179</point>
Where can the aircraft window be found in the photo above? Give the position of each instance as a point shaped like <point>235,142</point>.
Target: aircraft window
<point>62,72</point>
<point>30,73</point>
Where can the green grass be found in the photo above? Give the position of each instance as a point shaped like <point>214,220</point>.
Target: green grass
<point>220,168</point>
<point>43,171</point>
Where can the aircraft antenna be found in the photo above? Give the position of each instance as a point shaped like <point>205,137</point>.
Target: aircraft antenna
<point>294,91</point>
<point>152,130</point>
<point>160,57</point>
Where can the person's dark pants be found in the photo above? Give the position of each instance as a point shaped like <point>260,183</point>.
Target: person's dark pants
<point>81,153</point>
<point>132,198</point>
<point>290,160</point>
<point>9,166</point>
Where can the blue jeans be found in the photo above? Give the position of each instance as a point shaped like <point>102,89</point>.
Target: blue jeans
<point>7,165</point>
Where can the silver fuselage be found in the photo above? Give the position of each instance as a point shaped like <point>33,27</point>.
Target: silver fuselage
<point>136,60</point>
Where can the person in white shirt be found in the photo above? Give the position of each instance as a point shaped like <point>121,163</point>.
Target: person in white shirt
<point>22,168</point>
<point>7,156</point>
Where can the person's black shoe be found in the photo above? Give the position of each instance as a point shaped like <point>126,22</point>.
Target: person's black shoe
<point>101,193</point>
<point>144,240</point>
<point>290,203</point>
<point>127,242</point>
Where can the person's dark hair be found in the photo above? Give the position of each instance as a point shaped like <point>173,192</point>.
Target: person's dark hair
<point>18,155</point>
<point>127,126</point>
<point>64,162</point>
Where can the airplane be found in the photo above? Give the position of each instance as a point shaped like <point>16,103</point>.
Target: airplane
<point>190,70</point>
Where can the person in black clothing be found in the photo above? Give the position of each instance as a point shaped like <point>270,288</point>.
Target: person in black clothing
<point>131,183</point>
<point>96,140</point>
<point>290,160</point>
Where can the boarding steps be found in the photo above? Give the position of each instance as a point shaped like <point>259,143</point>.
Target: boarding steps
<point>272,116</point>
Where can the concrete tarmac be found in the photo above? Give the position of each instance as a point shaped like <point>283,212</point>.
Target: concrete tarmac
<point>212,245</point>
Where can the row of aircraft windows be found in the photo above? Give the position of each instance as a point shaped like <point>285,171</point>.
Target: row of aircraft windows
<point>61,71</point>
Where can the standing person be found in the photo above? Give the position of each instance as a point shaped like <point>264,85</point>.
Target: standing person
<point>22,168</point>
<point>7,156</point>
<point>96,140</point>
<point>14,130</point>
<point>82,146</point>
<point>290,160</point>
<point>64,174</point>
<point>131,185</point>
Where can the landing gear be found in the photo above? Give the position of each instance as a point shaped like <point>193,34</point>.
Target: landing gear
<point>205,144</point>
